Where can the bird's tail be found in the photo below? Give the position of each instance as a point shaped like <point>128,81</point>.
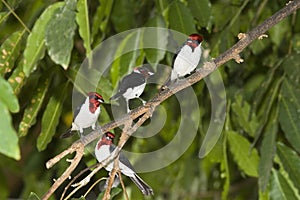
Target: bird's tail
<point>67,134</point>
<point>142,185</point>
<point>116,96</point>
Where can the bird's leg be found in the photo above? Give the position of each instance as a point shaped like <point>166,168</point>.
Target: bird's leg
<point>127,105</point>
<point>94,126</point>
<point>143,101</point>
<point>115,183</point>
<point>81,131</point>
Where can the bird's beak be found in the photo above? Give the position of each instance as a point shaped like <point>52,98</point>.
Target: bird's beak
<point>101,101</point>
<point>150,73</point>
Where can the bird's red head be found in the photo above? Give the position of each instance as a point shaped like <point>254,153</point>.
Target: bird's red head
<point>95,100</point>
<point>194,40</point>
<point>107,139</point>
<point>196,37</point>
<point>109,136</point>
<point>143,70</point>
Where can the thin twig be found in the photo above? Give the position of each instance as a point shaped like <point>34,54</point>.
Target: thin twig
<point>16,16</point>
<point>74,179</point>
<point>111,179</point>
<point>123,139</point>
<point>94,184</point>
<point>123,186</point>
<point>79,148</point>
<point>85,181</point>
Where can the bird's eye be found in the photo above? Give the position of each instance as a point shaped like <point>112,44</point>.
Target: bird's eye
<point>197,42</point>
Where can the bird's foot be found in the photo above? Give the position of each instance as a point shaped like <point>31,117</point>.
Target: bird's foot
<point>143,101</point>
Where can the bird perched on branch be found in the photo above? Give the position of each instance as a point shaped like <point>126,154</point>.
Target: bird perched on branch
<point>86,114</point>
<point>187,57</point>
<point>133,85</point>
<point>104,149</point>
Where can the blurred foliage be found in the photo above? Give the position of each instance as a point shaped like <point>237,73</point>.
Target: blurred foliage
<point>44,42</point>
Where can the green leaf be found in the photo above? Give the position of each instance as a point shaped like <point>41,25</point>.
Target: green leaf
<point>122,15</point>
<point>135,56</point>
<point>4,16</point>
<point>51,117</point>
<point>268,150</point>
<point>8,97</point>
<point>258,46</point>
<point>290,161</point>
<point>180,18</point>
<point>241,109</point>
<point>17,79</point>
<point>81,81</point>
<point>35,46</point>
<point>101,17</point>
<point>201,10</point>
<point>216,154</point>
<point>155,42</point>
<point>280,31</point>
<point>289,113</point>
<point>126,56</point>
<point>271,96</point>
<point>291,66</point>
<point>60,32</point>
<point>296,42</point>
<point>225,169</point>
<point>220,21</point>
<point>280,188</point>
<point>240,148</point>
<point>114,192</point>
<point>4,190</point>
<point>264,88</point>
<point>82,18</point>
<point>33,196</point>
<point>9,51</point>
<point>33,108</point>
<point>9,139</point>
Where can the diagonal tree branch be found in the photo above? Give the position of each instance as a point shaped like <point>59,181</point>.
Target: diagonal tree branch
<point>204,71</point>
<point>147,110</point>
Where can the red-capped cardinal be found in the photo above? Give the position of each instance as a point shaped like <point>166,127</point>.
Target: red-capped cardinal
<point>103,150</point>
<point>86,114</point>
<point>133,85</point>
<point>187,57</point>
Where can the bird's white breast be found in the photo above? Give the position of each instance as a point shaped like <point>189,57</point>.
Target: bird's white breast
<point>186,61</point>
<point>135,92</point>
<point>85,118</point>
<point>103,153</point>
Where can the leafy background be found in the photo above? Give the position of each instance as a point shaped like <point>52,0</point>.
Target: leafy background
<point>44,42</point>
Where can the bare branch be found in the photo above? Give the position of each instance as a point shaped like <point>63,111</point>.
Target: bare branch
<point>116,162</point>
<point>123,186</point>
<point>79,148</point>
<point>74,179</point>
<point>111,179</point>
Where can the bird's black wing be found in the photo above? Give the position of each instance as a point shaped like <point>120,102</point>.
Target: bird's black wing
<point>76,111</point>
<point>123,159</point>
<point>176,54</point>
<point>130,81</point>
<point>69,132</point>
